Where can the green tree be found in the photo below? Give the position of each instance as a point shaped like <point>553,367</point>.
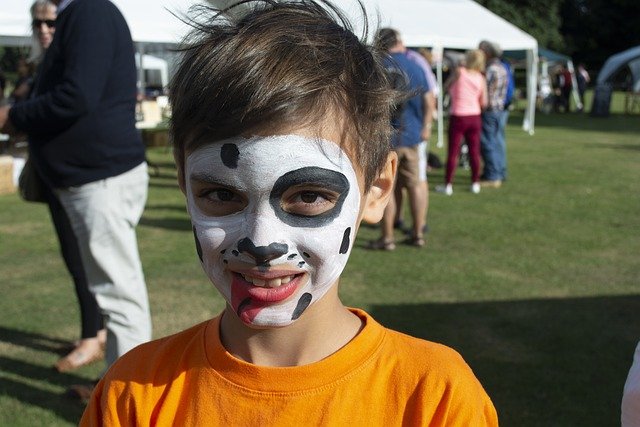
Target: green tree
<point>596,29</point>
<point>541,19</point>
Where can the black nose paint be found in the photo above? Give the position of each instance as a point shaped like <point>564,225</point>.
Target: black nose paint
<point>262,254</point>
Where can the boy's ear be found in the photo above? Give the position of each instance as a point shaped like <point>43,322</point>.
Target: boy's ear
<point>381,191</point>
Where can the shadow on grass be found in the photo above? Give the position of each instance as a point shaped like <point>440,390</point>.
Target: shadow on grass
<point>622,123</point>
<point>165,175</point>
<point>165,206</point>
<point>628,147</point>
<point>560,362</point>
<point>34,341</point>
<point>179,224</point>
<point>173,184</point>
<point>29,383</point>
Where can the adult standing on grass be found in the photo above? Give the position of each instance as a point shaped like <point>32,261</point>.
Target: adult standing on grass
<point>468,93</point>
<point>583,79</point>
<point>81,126</point>
<point>412,125</point>
<point>491,144</point>
<point>90,346</point>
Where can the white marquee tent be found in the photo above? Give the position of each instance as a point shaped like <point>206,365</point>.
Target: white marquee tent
<point>455,24</point>
<point>439,24</point>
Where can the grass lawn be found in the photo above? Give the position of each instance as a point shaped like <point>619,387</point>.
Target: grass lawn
<point>536,284</point>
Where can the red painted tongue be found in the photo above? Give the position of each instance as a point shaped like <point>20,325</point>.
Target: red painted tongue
<point>248,300</point>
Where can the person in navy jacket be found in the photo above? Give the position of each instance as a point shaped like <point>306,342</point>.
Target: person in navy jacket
<point>80,121</point>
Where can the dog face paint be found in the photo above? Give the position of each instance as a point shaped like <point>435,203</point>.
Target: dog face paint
<point>273,219</point>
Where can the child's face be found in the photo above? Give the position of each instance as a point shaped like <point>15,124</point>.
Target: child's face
<point>274,220</point>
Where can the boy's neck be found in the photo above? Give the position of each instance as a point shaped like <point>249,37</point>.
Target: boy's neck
<point>322,330</point>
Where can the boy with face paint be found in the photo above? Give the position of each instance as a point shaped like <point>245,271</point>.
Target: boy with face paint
<point>281,137</point>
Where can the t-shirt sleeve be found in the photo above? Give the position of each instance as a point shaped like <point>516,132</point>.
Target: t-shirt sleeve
<point>466,403</point>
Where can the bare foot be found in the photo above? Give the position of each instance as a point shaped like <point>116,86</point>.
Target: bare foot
<point>88,350</point>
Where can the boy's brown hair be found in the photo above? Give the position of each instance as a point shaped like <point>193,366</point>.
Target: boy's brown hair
<point>285,63</point>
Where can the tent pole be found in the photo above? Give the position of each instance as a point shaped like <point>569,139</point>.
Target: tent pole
<point>141,82</point>
<point>532,91</point>
<point>574,85</point>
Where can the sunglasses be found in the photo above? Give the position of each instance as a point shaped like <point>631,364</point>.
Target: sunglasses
<point>48,22</point>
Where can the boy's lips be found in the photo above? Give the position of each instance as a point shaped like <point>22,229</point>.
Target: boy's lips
<point>267,287</point>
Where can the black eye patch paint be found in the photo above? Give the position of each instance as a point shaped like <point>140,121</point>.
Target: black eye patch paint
<point>303,303</point>
<point>325,178</point>
<point>229,154</point>
<point>198,247</point>
<point>262,254</point>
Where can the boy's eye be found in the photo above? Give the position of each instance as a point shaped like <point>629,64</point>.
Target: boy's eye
<point>308,202</point>
<point>309,197</point>
<point>222,195</point>
<point>219,201</point>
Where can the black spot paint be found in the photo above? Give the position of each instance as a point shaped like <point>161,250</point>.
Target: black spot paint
<point>236,253</point>
<point>262,254</point>
<point>223,251</point>
<point>306,255</point>
<point>225,261</point>
<point>229,155</point>
<point>311,175</point>
<point>243,304</point>
<point>303,303</point>
<point>301,263</point>
<point>198,247</point>
<point>292,256</point>
<point>344,247</point>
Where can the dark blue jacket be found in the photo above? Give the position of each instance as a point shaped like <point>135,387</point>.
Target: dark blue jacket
<point>81,117</point>
<point>411,118</point>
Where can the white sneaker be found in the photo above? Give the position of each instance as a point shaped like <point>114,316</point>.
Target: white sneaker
<point>445,189</point>
<point>475,187</point>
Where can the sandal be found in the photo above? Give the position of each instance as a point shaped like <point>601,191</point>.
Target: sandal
<point>381,244</point>
<point>418,241</point>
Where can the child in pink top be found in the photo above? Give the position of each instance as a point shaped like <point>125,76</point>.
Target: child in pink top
<point>468,91</point>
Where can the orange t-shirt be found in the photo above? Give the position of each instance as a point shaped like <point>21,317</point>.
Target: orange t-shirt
<point>380,378</point>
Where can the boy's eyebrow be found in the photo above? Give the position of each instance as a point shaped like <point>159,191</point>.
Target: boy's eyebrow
<point>206,178</point>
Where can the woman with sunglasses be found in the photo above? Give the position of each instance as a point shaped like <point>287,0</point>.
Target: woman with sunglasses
<point>89,348</point>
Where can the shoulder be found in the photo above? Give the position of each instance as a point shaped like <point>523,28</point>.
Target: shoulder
<point>439,377</point>
<point>427,353</point>
<point>159,359</point>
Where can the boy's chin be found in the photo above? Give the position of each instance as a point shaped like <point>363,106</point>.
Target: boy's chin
<point>265,320</point>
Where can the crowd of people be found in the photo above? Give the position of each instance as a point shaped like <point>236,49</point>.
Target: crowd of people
<point>481,89</point>
<point>317,151</point>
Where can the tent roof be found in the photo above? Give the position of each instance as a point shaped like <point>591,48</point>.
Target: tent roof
<point>457,24</point>
<point>149,20</point>
<point>619,60</point>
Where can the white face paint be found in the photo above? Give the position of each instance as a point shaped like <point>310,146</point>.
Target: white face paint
<point>274,221</point>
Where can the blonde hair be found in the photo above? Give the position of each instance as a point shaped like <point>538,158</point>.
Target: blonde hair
<point>475,60</point>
